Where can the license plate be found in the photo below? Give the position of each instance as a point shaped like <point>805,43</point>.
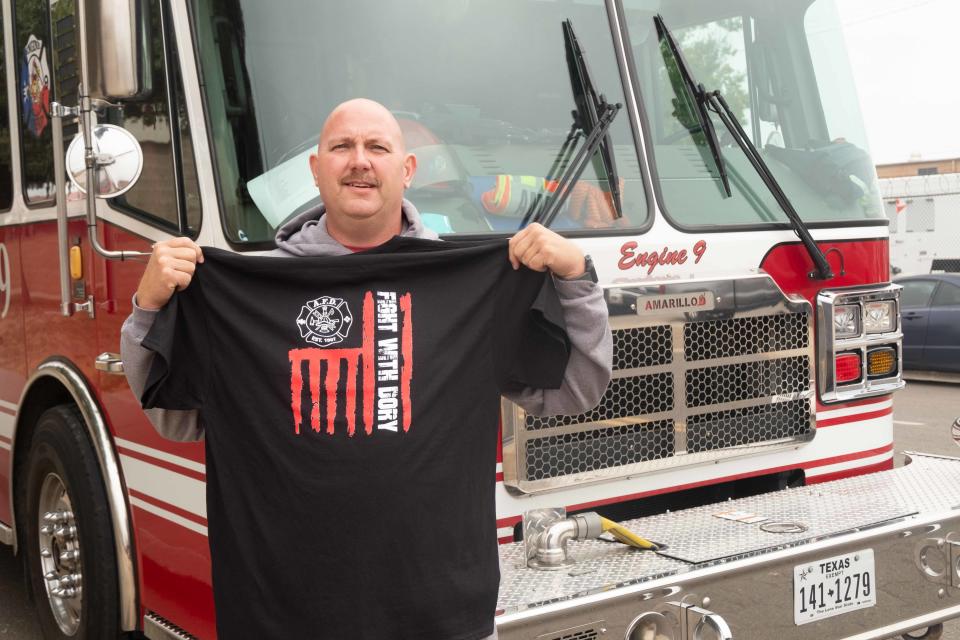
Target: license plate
<point>830,587</point>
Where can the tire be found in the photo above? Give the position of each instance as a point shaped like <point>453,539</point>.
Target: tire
<point>67,533</point>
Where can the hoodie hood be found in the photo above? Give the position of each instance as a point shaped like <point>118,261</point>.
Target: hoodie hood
<point>306,235</point>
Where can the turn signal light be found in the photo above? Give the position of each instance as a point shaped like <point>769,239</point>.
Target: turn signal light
<point>881,363</point>
<point>847,367</point>
<point>76,263</point>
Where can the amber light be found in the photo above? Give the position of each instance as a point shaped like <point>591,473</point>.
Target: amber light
<point>847,367</point>
<point>881,363</point>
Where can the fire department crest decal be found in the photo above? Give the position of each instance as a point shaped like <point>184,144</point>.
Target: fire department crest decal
<point>35,86</point>
<point>325,321</point>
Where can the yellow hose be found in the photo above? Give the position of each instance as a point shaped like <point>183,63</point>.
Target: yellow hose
<point>624,535</point>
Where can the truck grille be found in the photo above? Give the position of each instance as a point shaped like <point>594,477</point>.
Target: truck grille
<point>687,389</point>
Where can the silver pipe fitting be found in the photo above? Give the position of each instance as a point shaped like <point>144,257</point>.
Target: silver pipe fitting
<point>552,538</point>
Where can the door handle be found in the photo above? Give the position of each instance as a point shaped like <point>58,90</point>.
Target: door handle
<point>109,363</point>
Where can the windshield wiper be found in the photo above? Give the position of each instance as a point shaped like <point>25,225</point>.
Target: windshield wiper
<point>607,112</point>
<point>715,102</point>
<point>587,118</point>
<point>589,102</point>
<point>699,98</point>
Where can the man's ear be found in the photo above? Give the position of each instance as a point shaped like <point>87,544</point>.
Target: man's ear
<point>409,170</point>
<point>315,168</point>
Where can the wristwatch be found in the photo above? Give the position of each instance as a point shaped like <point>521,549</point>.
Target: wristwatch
<point>589,274</point>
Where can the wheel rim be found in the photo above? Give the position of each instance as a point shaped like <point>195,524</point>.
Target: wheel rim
<point>60,554</point>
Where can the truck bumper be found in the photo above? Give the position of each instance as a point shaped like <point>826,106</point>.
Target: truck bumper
<point>741,578</point>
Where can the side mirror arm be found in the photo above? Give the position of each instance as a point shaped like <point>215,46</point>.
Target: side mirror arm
<point>85,114</point>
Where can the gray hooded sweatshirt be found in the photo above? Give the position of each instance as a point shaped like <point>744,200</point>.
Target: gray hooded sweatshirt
<point>584,311</point>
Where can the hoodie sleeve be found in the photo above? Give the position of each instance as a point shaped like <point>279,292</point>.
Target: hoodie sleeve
<point>137,360</point>
<point>591,354</point>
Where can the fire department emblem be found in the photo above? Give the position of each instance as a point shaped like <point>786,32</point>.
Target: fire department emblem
<point>325,321</point>
<point>35,86</point>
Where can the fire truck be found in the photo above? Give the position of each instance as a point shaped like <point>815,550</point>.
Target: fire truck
<point>711,159</point>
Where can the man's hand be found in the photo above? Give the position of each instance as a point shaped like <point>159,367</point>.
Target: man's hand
<point>540,249</point>
<point>171,267</point>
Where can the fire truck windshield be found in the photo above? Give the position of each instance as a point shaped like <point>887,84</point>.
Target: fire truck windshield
<point>782,67</point>
<point>482,91</point>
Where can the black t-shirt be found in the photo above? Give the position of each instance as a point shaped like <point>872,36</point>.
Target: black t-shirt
<point>351,407</point>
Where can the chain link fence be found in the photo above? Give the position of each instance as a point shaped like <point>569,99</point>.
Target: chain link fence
<point>924,214</point>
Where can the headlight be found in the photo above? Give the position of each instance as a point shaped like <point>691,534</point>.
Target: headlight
<point>881,316</point>
<point>846,320</point>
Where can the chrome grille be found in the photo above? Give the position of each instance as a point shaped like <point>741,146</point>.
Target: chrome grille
<point>744,336</point>
<point>632,396</point>
<point>642,347</point>
<point>689,387</point>
<point>747,381</point>
<point>584,451</point>
<point>739,427</point>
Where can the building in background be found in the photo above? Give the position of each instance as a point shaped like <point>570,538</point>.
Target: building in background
<point>918,168</point>
<point>922,202</point>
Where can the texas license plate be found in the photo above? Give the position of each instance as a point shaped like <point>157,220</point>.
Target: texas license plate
<point>829,587</point>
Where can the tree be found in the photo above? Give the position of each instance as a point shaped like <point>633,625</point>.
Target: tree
<point>712,56</point>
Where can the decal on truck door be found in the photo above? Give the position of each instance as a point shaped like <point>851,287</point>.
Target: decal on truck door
<point>35,86</point>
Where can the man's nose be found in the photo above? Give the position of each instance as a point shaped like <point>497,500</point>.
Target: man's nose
<point>359,159</point>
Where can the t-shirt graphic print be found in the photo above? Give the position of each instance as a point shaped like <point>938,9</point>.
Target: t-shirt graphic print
<point>350,407</point>
<point>384,359</point>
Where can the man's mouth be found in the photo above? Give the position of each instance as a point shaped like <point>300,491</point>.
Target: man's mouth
<point>360,184</point>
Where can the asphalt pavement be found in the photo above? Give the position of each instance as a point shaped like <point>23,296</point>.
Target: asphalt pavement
<point>923,413</point>
<point>17,619</point>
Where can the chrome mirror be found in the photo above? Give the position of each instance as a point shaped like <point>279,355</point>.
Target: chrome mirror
<point>119,161</point>
<point>117,38</point>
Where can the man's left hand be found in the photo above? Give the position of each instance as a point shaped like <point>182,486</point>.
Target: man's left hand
<point>540,249</point>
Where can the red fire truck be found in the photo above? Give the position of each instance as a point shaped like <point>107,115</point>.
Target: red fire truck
<point>710,157</point>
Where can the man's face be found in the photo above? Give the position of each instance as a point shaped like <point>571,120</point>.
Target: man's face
<point>361,166</point>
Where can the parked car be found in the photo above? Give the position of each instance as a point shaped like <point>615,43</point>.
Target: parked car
<point>930,311</point>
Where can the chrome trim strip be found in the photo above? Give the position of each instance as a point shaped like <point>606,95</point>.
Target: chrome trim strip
<point>102,443</point>
<point>664,415</point>
<point>681,458</point>
<point>706,364</point>
<point>623,57</point>
<point>511,415</point>
<point>6,534</point>
<point>624,63</point>
<point>158,628</point>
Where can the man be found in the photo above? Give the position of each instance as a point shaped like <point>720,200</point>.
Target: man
<point>361,169</point>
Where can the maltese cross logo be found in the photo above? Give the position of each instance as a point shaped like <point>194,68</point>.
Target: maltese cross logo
<point>325,321</point>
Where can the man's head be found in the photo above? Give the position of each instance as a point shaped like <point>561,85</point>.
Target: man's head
<point>362,168</point>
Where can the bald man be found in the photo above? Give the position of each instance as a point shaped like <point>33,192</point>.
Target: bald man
<point>361,168</point>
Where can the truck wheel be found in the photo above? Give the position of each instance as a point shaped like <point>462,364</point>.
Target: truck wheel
<point>67,534</point>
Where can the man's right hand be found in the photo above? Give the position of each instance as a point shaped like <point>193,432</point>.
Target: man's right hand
<point>171,267</point>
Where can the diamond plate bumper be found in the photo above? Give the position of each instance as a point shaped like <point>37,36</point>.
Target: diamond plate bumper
<point>909,516</point>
